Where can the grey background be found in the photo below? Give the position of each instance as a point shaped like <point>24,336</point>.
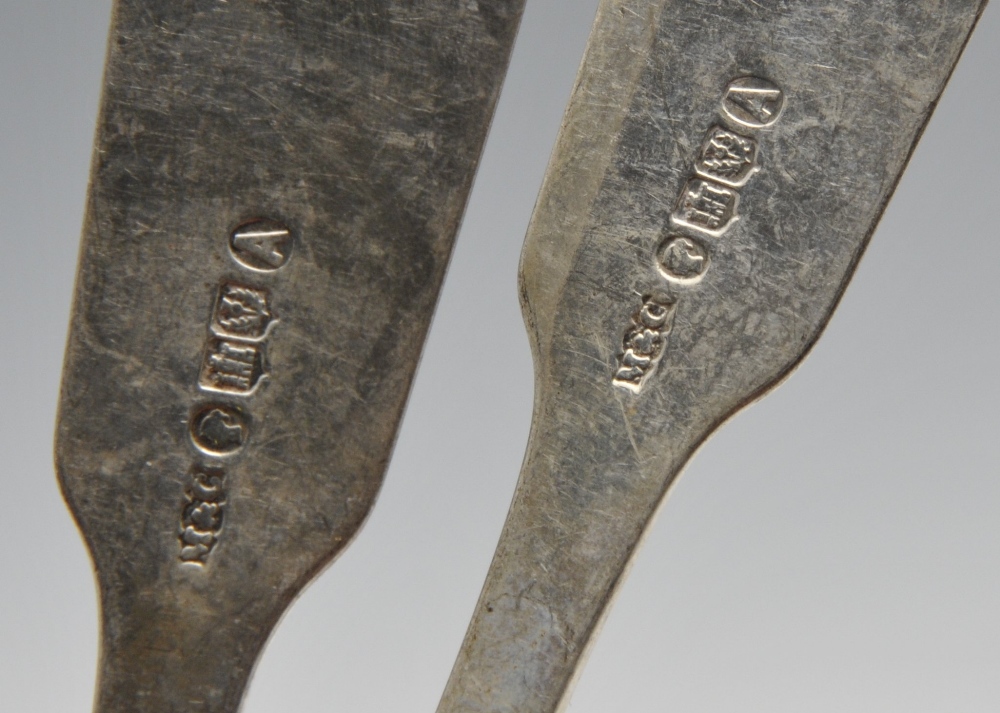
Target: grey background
<point>836,547</point>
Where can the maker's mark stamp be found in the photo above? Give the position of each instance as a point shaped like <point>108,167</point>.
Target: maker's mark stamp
<point>706,206</point>
<point>219,430</point>
<point>233,364</point>
<point>682,259</point>
<point>201,519</point>
<point>261,244</point>
<point>753,102</point>
<point>232,367</point>
<point>727,157</point>
<point>644,343</point>
<point>242,313</point>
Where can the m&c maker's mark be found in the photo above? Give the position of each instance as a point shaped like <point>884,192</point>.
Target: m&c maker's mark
<point>707,207</point>
<point>234,364</point>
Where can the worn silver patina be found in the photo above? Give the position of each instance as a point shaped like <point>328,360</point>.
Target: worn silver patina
<point>276,188</point>
<point>719,172</point>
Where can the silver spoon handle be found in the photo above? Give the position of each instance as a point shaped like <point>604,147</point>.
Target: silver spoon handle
<point>276,188</point>
<point>720,170</point>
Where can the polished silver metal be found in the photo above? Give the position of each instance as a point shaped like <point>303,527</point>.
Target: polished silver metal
<point>276,188</point>
<point>720,170</point>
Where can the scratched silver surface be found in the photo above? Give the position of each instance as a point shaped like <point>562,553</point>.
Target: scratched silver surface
<point>275,191</point>
<point>634,369</point>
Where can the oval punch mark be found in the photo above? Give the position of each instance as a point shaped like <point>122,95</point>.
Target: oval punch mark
<point>261,244</point>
